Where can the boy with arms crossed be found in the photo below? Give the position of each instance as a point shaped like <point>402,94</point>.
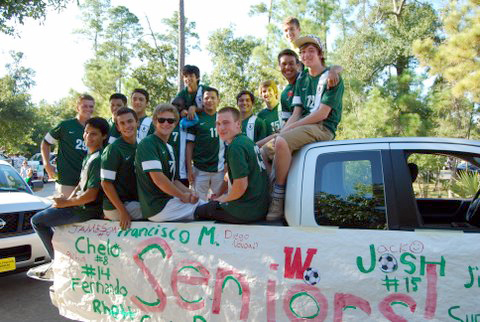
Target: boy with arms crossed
<point>252,126</point>
<point>140,99</point>
<point>162,196</point>
<point>117,100</point>
<point>85,202</point>
<point>268,91</point>
<point>118,172</point>
<point>247,199</point>
<point>71,148</point>
<point>317,112</point>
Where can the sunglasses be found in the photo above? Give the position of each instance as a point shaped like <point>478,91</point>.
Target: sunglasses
<point>163,120</point>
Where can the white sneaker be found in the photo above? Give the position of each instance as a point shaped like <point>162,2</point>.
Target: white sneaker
<point>275,211</point>
<point>43,272</point>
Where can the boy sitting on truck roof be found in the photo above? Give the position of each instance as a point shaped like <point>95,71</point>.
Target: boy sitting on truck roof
<point>317,112</point>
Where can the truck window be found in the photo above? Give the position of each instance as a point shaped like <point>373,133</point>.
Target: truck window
<point>349,190</point>
<point>443,176</point>
<point>444,186</point>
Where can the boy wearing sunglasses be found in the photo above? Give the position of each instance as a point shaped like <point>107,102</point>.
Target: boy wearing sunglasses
<point>162,196</point>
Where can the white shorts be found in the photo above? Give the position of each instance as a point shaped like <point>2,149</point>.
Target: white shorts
<point>176,210</point>
<point>133,209</point>
<point>205,181</point>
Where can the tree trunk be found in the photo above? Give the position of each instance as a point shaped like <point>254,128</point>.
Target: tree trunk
<point>181,43</point>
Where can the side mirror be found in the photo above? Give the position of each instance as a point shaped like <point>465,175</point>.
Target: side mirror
<point>37,185</point>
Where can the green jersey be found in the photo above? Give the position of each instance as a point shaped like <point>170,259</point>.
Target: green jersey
<point>244,160</point>
<point>153,155</point>
<point>145,127</point>
<point>254,127</point>
<point>209,150</point>
<point>311,91</point>
<point>118,168</point>
<point>90,179</point>
<point>271,118</point>
<point>113,134</point>
<point>178,141</point>
<point>71,150</point>
<point>195,98</point>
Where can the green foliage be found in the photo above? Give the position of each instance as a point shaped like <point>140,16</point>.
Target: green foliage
<point>114,32</point>
<point>457,56</point>
<point>15,11</point>
<point>466,184</point>
<point>15,116</point>
<point>232,68</point>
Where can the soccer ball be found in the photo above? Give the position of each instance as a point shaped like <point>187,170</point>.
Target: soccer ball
<point>311,276</point>
<point>387,263</point>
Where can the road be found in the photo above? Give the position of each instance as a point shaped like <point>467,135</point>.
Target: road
<point>26,299</point>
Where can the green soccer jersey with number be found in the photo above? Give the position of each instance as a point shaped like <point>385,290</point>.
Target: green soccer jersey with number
<point>90,179</point>
<point>153,155</point>
<point>209,150</point>
<point>244,160</point>
<point>311,91</point>
<point>255,128</point>
<point>118,168</point>
<point>113,134</point>
<point>178,141</point>
<point>271,118</point>
<point>71,150</point>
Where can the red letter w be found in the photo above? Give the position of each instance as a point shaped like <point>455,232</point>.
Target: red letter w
<point>295,268</point>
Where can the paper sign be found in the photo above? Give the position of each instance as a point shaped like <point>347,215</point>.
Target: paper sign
<point>205,272</point>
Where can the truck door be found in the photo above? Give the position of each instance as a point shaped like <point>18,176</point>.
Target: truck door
<point>347,186</point>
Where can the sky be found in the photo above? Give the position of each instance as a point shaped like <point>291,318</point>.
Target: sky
<point>58,55</point>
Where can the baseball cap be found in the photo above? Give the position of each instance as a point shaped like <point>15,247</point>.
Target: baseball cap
<point>309,39</point>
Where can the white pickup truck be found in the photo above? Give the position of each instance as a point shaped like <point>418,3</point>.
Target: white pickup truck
<point>378,231</point>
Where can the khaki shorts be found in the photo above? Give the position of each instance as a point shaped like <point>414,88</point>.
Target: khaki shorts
<point>297,137</point>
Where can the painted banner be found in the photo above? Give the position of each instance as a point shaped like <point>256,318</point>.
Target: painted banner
<point>209,272</point>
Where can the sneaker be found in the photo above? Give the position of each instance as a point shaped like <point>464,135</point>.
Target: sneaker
<point>43,272</point>
<point>275,211</point>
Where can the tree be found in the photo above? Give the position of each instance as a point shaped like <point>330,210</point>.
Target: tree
<point>16,116</point>
<point>455,54</point>
<point>94,17</point>
<point>22,77</point>
<point>375,49</point>
<point>158,54</point>
<point>18,10</point>
<point>115,46</point>
<point>232,71</point>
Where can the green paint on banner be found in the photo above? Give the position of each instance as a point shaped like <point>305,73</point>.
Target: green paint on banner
<point>240,291</point>
<point>349,307</point>
<point>150,247</point>
<point>401,303</point>
<point>148,303</point>
<point>310,296</point>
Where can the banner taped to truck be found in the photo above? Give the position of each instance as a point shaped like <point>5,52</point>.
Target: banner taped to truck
<point>212,272</point>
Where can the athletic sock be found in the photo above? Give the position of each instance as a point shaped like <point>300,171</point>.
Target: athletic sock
<point>278,191</point>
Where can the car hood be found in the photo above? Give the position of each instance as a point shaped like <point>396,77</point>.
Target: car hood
<point>21,201</point>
